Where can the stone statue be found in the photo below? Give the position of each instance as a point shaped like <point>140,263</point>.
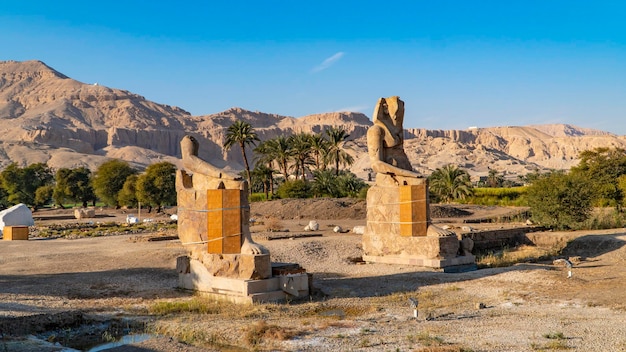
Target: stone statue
<point>206,176</point>
<point>385,144</point>
<point>399,229</point>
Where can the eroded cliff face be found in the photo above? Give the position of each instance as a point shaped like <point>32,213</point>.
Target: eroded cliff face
<point>46,116</point>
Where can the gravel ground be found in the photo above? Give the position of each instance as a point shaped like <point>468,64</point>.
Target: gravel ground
<point>356,306</point>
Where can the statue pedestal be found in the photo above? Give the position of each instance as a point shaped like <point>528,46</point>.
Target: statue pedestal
<point>194,275</point>
<point>213,217</point>
<point>399,230</point>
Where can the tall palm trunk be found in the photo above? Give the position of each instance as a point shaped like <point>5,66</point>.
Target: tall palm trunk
<point>245,162</point>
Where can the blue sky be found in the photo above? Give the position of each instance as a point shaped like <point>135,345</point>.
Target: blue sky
<point>455,63</point>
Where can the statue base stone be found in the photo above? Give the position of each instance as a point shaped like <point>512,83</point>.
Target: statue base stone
<point>399,230</point>
<point>242,278</point>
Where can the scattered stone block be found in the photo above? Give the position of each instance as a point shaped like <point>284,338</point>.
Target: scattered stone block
<point>84,213</point>
<point>312,226</point>
<point>14,233</point>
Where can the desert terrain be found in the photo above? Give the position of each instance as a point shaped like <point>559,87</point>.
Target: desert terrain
<point>51,118</point>
<point>60,293</point>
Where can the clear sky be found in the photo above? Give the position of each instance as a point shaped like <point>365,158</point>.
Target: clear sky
<point>455,63</point>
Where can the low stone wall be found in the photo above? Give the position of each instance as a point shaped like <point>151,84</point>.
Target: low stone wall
<point>496,239</point>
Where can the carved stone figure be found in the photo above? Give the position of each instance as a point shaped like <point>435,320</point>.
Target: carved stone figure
<point>399,229</point>
<point>214,226</point>
<point>205,176</point>
<point>385,140</point>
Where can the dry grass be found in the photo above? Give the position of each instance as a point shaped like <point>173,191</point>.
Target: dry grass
<point>259,333</point>
<point>511,256</point>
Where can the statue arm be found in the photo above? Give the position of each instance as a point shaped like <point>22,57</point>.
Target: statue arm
<point>197,165</point>
<point>375,137</point>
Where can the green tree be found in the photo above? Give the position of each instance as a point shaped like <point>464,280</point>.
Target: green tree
<point>263,175</point>
<point>43,195</point>
<point>109,179</point>
<point>128,194</point>
<point>450,183</point>
<point>22,183</point>
<point>4,202</point>
<point>336,138</point>
<point>157,185</point>
<point>559,200</point>
<point>349,184</point>
<point>243,134</point>
<point>74,185</point>
<point>621,184</point>
<point>301,150</point>
<point>325,184</point>
<point>265,156</point>
<point>279,150</point>
<point>494,179</point>
<point>319,150</point>
<point>603,166</point>
<point>294,189</point>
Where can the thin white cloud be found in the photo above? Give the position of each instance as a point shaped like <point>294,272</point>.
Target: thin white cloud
<point>328,62</point>
<point>356,108</point>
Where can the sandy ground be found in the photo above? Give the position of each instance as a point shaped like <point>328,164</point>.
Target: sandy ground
<point>361,307</point>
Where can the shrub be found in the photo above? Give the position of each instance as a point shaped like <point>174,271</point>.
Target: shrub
<point>294,189</point>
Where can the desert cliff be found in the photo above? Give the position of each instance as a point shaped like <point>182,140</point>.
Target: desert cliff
<point>48,117</point>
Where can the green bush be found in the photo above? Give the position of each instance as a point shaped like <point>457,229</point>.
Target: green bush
<point>294,189</point>
<point>503,196</point>
<point>257,197</point>
<point>559,200</point>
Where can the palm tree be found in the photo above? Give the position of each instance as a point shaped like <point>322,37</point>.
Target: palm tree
<point>264,175</point>
<point>336,138</point>
<point>494,180</point>
<point>242,133</point>
<point>319,149</point>
<point>266,156</point>
<point>325,184</point>
<point>449,183</point>
<point>278,149</point>
<point>301,150</point>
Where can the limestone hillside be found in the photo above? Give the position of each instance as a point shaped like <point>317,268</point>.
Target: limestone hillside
<point>48,117</point>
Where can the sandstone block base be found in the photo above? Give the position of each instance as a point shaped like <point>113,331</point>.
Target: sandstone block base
<point>399,230</point>
<point>193,275</point>
<point>238,266</point>
<point>13,233</point>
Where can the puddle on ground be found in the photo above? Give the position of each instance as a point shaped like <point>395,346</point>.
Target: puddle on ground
<point>125,340</point>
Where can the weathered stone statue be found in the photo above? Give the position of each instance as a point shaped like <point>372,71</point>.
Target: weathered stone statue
<point>399,229</point>
<point>385,142</point>
<point>213,224</point>
<point>208,177</point>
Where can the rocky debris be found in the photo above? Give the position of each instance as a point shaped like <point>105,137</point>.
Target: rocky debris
<point>312,226</point>
<point>447,211</point>
<point>84,213</point>
<point>358,230</point>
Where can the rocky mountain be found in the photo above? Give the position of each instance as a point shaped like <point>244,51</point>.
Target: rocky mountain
<point>48,117</point>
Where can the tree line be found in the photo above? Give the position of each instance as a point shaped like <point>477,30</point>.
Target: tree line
<point>300,156</point>
<point>297,166</point>
<point>557,199</point>
<point>115,183</point>
<point>309,165</point>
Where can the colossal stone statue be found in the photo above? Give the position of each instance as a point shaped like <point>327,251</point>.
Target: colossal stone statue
<point>399,229</point>
<point>385,140</point>
<point>213,225</point>
<point>206,177</point>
